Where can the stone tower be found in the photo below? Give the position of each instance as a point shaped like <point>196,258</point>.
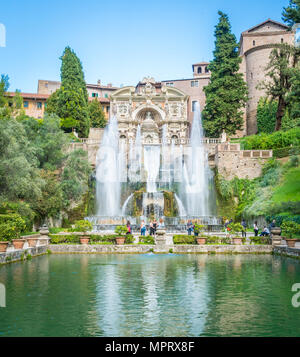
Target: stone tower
<point>256,45</point>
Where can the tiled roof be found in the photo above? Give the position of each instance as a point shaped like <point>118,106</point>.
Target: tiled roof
<point>46,96</point>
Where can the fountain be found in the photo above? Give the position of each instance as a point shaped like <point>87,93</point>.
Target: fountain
<point>160,179</point>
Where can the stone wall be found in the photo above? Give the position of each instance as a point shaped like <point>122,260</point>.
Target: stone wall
<point>21,254</point>
<point>231,161</point>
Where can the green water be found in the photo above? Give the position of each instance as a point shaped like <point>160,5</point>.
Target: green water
<point>150,295</point>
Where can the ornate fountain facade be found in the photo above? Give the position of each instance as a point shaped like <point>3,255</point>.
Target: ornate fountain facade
<point>151,105</point>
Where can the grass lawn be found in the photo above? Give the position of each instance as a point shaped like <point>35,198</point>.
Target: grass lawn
<point>289,190</point>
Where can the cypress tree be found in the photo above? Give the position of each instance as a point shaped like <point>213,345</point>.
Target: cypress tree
<point>97,116</point>
<point>291,13</point>
<point>70,102</point>
<point>226,94</point>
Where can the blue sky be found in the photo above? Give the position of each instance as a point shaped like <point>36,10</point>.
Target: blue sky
<point>118,41</point>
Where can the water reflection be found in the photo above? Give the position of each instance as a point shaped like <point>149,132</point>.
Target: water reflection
<point>150,295</point>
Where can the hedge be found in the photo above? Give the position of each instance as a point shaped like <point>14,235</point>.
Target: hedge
<point>147,239</point>
<point>184,239</point>
<point>94,238</point>
<point>287,151</point>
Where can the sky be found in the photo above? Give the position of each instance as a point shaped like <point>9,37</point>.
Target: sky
<point>118,41</point>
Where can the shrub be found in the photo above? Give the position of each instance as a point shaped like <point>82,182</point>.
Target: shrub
<point>213,239</point>
<point>83,226</point>
<point>235,228</point>
<point>199,228</point>
<point>289,228</point>
<point>183,239</point>
<point>121,230</point>
<point>11,226</point>
<point>61,239</point>
<point>225,240</point>
<point>147,239</point>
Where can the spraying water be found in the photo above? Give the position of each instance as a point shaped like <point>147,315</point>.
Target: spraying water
<point>152,164</point>
<point>108,186</point>
<point>196,172</point>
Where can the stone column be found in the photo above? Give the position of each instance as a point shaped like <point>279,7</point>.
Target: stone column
<point>276,237</point>
<point>44,239</point>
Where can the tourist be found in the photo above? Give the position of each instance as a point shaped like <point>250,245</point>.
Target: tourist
<point>244,231</point>
<point>128,227</point>
<point>161,224</point>
<point>255,227</point>
<point>143,228</point>
<point>151,229</point>
<point>272,225</point>
<point>154,226</point>
<point>189,227</point>
<point>226,223</point>
<point>265,232</point>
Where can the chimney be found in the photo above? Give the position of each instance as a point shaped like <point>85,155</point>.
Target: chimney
<point>109,85</point>
<point>99,82</point>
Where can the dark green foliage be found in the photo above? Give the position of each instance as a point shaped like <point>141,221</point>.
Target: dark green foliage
<point>60,239</point>
<point>284,218</point>
<point>260,240</point>
<point>283,152</point>
<point>11,226</point>
<point>19,176</point>
<point>290,228</point>
<point>184,239</point>
<point>280,79</point>
<point>74,182</point>
<point>226,94</point>
<point>96,114</point>
<point>291,13</point>
<point>266,115</point>
<point>70,102</point>
<point>83,226</point>
<point>147,239</point>
<point>280,139</point>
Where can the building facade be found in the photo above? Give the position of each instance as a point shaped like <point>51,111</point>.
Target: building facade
<point>256,45</point>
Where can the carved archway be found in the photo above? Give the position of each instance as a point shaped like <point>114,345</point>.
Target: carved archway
<point>157,113</point>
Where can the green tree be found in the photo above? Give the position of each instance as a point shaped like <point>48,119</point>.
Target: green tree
<point>19,175</point>
<point>97,116</point>
<point>49,204</point>
<point>71,100</point>
<point>49,141</point>
<point>4,108</point>
<point>291,13</point>
<point>279,78</point>
<point>74,182</point>
<point>226,94</point>
<point>266,115</point>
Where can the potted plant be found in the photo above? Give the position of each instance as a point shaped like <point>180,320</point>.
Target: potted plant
<point>121,232</point>
<point>199,228</point>
<point>83,226</point>
<point>289,228</point>
<point>235,228</point>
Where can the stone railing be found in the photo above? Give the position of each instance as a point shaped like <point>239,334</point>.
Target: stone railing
<point>245,153</point>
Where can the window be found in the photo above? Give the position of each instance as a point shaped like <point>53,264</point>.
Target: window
<point>194,84</point>
<point>105,95</point>
<point>39,105</point>
<point>26,104</point>
<point>282,40</point>
<point>194,103</point>
<point>170,84</point>
<point>254,43</point>
<point>95,95</point>
<point>199,70</point>
<point>107,109</point>
<point>206,70</point>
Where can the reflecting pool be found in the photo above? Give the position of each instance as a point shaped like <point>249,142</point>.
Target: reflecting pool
<point>150,295</point>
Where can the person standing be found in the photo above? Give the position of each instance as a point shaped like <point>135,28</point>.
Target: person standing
<point>128,227</point>
<point>244,231</point>
<point>143,228</point>
<point>151,229</point>
<point>255,227</point>
<point>154,226</point>
<point>189,227</point>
